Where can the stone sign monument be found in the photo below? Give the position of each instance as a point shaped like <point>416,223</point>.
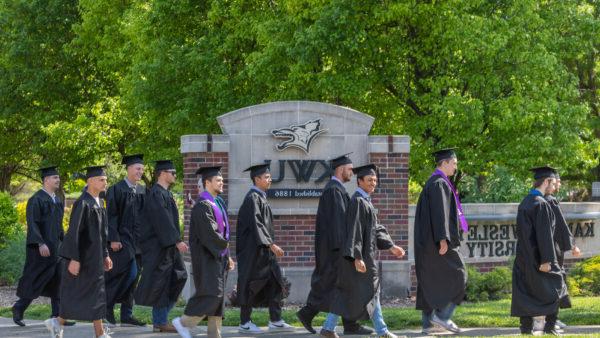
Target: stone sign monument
<point>298,138</point>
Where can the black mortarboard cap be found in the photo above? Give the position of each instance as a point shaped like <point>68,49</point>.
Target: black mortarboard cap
<point>340,160</point>
<point>365,170</point>
<point>543,172</point>
<point>94,171</point>
<point>444,154</point>
<point>49,171</point>
<point>208,172</point>
<point>164,165</point>
<point>133,159</point>
<point>259,169</point>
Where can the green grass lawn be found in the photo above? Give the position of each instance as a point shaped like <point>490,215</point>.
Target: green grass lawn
<point>585,311</point>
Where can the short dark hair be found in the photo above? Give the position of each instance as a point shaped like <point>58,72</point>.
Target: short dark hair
<point>439,163</point>
<point>538,183</point>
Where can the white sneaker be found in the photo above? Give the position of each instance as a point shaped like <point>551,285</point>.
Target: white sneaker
<point>280,326</point>
<point>249,327</point>
<point>448,324</point>
<point>52,324</point>
<point>105,335</point>
<point>182,330</point>
<point>560,324</point>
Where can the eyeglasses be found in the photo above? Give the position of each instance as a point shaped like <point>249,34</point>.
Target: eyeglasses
<point>172,172</point>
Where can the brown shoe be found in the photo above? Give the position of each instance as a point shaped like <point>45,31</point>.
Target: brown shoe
<point>328,334</point>
<point>164,328</point>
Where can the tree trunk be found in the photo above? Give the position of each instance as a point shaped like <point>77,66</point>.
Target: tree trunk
<point>6,172</point>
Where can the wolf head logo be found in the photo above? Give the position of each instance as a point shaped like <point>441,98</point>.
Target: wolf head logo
<point>299,136</point>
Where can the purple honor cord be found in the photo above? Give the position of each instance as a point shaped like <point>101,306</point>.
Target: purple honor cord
<point>222,222</point>
<point>461,216</point>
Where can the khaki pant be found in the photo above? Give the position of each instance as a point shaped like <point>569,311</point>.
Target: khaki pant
<point>213,327</point>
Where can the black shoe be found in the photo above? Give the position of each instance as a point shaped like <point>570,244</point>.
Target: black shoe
<point>306,322</point>
<point>360,330</point>
<point>69,323</point>
<point>132,321</point>
<point>17,317</point>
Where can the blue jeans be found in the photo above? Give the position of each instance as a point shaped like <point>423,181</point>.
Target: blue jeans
<point>443,314</point>
<point>160,315</point>
<point>377,320</point>
<point>126,307</point>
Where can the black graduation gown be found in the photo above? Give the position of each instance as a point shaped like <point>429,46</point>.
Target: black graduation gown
<point>163,271</point>
<point>354,292</point>
<point>563,241</point>
<point>209,267</point>
<point>257,264</point>
<point>83,297</point>
<point>330,232</point>
<point>535,293</point>
<point>123,207</point>
<point>41,275</point>
<point>441,279</point>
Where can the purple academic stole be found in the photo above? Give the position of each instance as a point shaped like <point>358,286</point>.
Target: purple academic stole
<point>222,222</point>
<point>461,216</point>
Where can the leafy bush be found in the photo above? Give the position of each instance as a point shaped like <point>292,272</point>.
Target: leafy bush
<point>9,220</point>
<point>500,185</point>
<point>22,212</point>
<point>12,259</point>
<point>585,278</point>
<point>492,285</point>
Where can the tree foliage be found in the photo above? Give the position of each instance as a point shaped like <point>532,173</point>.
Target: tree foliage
<point>513,84</point>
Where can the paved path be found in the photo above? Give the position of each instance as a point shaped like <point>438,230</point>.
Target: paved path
<point>35,329</point>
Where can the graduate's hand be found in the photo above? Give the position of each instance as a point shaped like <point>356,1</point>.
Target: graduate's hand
<point>74,267</point>
<point>44,251</point>
<point>277,250</point>
<point>397,251</point>
<point>231,265</point>
<point>443,247</point>
<point>182,247</point>
<point>360,266</point>
<point>545,267</point>
<point>108,265</point>
<point>116,246</point>
<point>576,252</point>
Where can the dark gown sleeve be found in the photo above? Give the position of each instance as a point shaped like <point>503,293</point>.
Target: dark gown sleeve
<point>439,212</point>
<point>543,234</point>
<point>112,212</point>
<point>384,240</point>
<point>157,214</point>
<point>261,232</point>
<point>104,234</point>
<point>34,219</point>
<point>562,233</point>
<point>70,245</point>
<point>354,221</point>
<point>207,235</point>
<point>337,226</point>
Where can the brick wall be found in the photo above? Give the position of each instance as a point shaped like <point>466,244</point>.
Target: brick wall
<point>391,197</point>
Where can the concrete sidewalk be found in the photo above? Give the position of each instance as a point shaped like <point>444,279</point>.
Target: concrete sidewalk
<point>36,328</point>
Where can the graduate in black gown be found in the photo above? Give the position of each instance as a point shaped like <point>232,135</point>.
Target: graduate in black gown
<point>330,232</point>
<point>41,273</point>
<point>260,280</point>
<point>440,270</point>
<point>209,247</point>
<point>357,288</point>
<point>82,292</point>
<point>563,242</point>
<point>124,202</point>
<point>163,271</point>
<point>537,283</point>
